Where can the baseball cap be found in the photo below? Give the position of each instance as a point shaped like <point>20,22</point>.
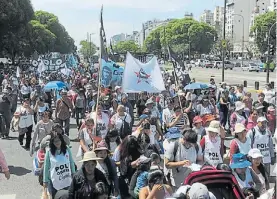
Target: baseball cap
<point>262,119</point>
<point>255,153</point>
<point>198,191</point>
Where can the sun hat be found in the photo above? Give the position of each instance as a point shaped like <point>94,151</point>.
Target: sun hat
<point>239,161</point>
<point>255,153</point>
<point>197,119</point>
<point>258,106</point>
<point>261,119</point>
<point>149,101</point>
<point>239,105</point>
<point>214,127</point>
<point>90,155</point>
<point>239,128</point>
<point>101,146</point>
<point>173,133</point>
<point>198,191</point>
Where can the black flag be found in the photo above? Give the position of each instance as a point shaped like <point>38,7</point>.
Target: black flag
<point>179,67</point>
<point>103,40</point>
<point>111,50</point>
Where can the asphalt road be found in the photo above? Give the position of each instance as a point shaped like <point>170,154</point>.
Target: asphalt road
<point>235,76</point>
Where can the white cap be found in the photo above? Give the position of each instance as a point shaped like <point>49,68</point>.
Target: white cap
<point>261,119</point>
<point>255,153</point>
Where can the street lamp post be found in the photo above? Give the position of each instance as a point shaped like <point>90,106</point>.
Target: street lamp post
<point>268,56</point>
<point>242,43</point>
<point>224,38</point>
<point>90,44</point>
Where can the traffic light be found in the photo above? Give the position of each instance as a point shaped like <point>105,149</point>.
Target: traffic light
<point>271,49</point>
<point>263,59</point>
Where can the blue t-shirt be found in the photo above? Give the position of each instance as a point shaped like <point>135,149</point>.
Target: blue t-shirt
<point>142,180</point>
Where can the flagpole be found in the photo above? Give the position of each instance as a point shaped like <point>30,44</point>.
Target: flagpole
<point>174,71</point>
<point>99,76</point>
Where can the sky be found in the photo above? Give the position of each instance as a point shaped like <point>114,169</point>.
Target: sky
<point>120,16</point>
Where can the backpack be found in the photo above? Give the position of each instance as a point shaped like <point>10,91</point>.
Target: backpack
<point>125,129</point>
<point>79,102</point>
<point>176,146</point>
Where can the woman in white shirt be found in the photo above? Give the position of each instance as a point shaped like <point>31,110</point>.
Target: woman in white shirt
<point>256,157</point>
<point>118,119</point>
<point>40,108</point>
<point>25,89</point>
<point>25,123</point>
<point>268,92</point>
<point>102,120</point>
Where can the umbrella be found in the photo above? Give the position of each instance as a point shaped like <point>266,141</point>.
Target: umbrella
<point>194,86</point>
<point>55,85</point>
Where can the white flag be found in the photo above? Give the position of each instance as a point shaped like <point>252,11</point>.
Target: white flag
<point>140,77</point>
<point>18,72</point>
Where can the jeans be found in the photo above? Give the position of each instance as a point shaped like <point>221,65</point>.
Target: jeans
<point>66,125</point>
<point>80,113</point>
<point>223,115</point>
<point>28,137</point>
<point>8,118</point>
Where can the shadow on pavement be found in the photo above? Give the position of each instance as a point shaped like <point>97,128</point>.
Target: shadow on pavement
<point>19,171</point>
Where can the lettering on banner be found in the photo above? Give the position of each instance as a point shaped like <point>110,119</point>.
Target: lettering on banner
<point>63,171</point>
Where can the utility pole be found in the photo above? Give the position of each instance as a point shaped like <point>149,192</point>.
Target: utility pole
<point>224,38</point>
<point>268,53</point>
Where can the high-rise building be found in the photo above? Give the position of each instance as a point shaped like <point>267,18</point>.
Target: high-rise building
<point>207,17</point>
<point>240,16</point>
<point>118,38</point>
<point>218,20</point>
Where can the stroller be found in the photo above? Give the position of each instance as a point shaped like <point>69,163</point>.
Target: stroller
<point>221,183</point>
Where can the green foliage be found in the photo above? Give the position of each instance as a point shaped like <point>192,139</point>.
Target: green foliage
<point>22,31</point>
<point>179,33</point>
<point>88,49</point>
<point>261,28</point>
<point>124,46</point>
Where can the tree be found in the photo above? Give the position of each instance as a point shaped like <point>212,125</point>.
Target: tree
<point>124,46</point>
<point>88,49</point>
<point>14,17</point>
<point>43,39</point>
<point>63,43</point>
<point>261,28</point>
<point>179,33</point>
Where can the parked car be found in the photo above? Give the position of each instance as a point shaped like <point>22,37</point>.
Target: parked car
<point>217,63</point>
<point>227,65</point>
<point>208,64</point>
<point>251,67</point>
<point>199,62</point>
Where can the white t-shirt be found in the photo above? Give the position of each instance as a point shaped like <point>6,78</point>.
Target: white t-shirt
<point>269,94</point>
<point>25,90</point>
<point>167,115</point>
<point>182,154</point>
<point>118,120</point>
<point>102,123</point>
